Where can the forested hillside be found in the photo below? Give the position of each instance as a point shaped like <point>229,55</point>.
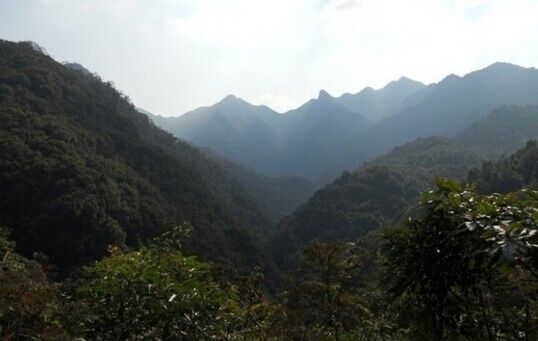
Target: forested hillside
<point>384,189</point>
<point>81,169</point>
<point>461,265</point>
<point>503,131</point>
<point>508,174</point>
<point>277,196</point>
<point>372,196</point>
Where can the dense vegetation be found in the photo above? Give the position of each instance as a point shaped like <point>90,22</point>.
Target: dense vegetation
<point>82,169</point>
<point>509,173</point>
<point>155,239</point>
<point>379,192</point>
<point>463,266</point>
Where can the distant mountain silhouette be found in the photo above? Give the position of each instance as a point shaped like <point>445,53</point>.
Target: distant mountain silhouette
<point>316,133</point>
<point>326,135</point>
<point>299,142</point>
<point>245,133</point>
<point>452,105</point>
<point>378,104</point>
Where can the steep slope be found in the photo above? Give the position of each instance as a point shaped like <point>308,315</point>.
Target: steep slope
<point>387,101</point>
<point>81,169</point>
<point>244,133</point>
<point>317,133</point>
<point>372,196</point>
<point>277,196</point>
<point>452,105</point>
<point>503,131</point>
<point>166,123</point>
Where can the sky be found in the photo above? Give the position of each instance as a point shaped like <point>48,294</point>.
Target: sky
<point>171,56</point>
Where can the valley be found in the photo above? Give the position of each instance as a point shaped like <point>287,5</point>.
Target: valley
<point>407,212</point>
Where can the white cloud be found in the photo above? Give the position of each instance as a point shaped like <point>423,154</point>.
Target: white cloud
<point>238,24</point>
<point>173,56</point>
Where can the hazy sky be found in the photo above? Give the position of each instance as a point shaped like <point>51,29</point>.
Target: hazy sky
<point>171,56</point>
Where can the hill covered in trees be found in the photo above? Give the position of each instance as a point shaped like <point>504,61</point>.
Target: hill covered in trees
<point>82,169</point>
<point>519,170</point>
<point>372,196</point>
<point>462,266</point>
<point>386,188</point>
<point>503,131</point>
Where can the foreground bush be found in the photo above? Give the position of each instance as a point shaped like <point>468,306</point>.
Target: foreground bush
<point>465,265</point>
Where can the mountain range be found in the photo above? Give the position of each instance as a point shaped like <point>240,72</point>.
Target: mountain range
<point>327,135</point>
<point>300,142</point>
<point>387,101</point>
<point>452,105</point>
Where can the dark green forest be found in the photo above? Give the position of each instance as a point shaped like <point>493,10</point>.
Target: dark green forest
<point>381,191</point>
<point>463,265</point>
<point>113,229</point>
<point>82,169</point>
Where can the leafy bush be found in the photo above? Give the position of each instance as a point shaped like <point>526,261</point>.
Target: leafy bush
<point>466,265</point>
<point>29,304</point>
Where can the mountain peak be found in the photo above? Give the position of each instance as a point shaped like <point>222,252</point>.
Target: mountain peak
<point>36,47</point>
<point>324,95</point>
<point>231,100</point>
<point>405,79</point>
<point>404,82</point>
<point>450,78</point>
<point>503,65</point>
<point>500,69</point>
